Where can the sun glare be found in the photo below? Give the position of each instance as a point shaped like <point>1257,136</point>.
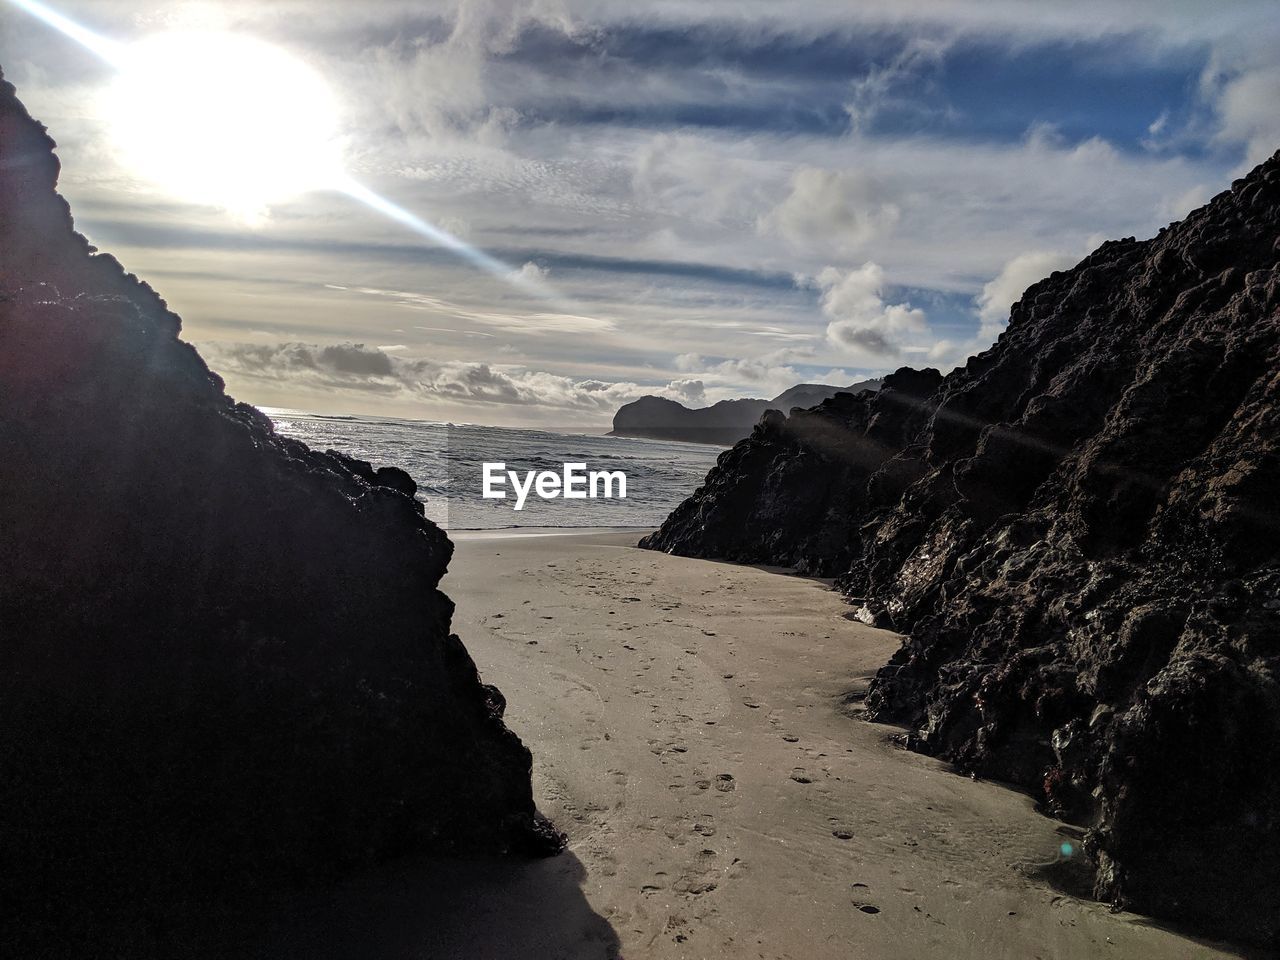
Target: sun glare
<point>224,120</point>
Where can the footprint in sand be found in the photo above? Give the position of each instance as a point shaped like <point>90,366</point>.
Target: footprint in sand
<point>725,782</point>
<point>605,864</point>
<point>694,884</point>
<point>799,776</point>
<point>866,907</point>
<point>674,833</point>
<point>790,739</point>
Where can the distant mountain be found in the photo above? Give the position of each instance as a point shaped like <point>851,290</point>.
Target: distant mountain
<point>723,423</point>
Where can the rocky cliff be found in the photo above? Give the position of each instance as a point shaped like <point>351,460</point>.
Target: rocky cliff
<point>723,423</point>
<point>223,656</point>
<point>1079,534</point>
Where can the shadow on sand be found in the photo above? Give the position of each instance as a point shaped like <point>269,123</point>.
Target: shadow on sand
<point>426,910</point>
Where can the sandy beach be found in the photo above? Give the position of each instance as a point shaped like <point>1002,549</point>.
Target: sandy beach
<point>695,731</point>
<point>347,359</point>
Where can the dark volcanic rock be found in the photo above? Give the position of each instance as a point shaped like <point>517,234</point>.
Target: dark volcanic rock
<point>723,423</point>
<point>784,495</point>
<point>1079,531</point>
<point>223,656</point>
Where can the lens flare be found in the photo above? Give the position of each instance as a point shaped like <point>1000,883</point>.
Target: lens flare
<point>430,231</point>
<point>230,121</point>
<point>108,50</point>
<point>241,138</point>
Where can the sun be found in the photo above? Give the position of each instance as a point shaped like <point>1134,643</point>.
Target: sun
<point>225,120</point>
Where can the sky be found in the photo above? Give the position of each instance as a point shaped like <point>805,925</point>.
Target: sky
<point>700,200</point>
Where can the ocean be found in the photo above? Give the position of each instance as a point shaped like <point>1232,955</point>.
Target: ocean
<point>446,461</point>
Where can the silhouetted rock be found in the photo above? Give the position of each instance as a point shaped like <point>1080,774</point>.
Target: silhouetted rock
<point>723,423</point>
<point>391,477</point>
<point>781,496</point>
<point>223,656</point>
<point>1079,532</point>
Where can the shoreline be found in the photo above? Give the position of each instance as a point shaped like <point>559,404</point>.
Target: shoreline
<point>518,532</point>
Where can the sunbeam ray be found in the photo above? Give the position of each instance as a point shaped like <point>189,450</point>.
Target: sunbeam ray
<point>111,51</point>
<point>473,255</point>
<point>116,54</point>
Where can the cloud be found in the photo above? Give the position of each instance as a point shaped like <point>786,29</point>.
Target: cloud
<point>531,272</point>
<point>433,83</point>
<point>1002,292</point>
<point>843,210</point>
<point>859,318</point>
<point>675,171</point>
<point>736,371</point>
<point>533,322</point>
<point>689,392</point>
<point>363,370</point>
<point>1246,104</point>
<point>883,84</point>
<point>350,358</point>
<point>761,376</point>
<point>687,176</point>
<point>334,363</point>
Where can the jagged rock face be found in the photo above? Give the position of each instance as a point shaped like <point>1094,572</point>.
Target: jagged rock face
<point>784,494</point>
<point>222,654</point>
<point>1079,532</point>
